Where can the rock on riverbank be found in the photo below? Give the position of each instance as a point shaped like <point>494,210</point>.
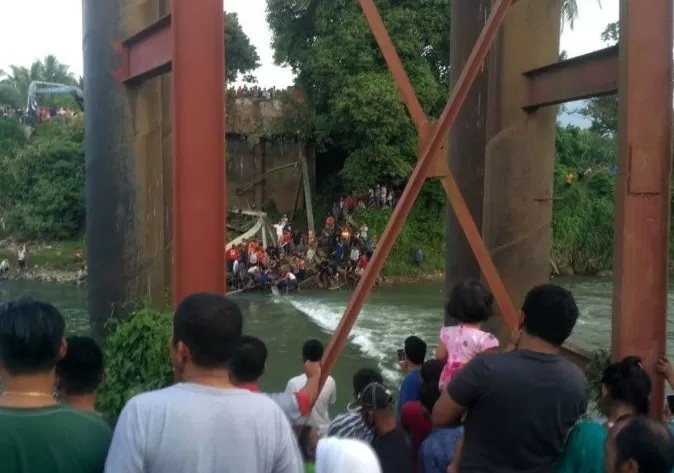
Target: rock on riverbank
<point>58,276</point>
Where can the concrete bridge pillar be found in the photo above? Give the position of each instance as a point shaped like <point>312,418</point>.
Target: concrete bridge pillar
<point>520,153</point>
<point>128,163</point>
<point>468,136</point>
<point>503,157</point>
<point>110,182</point>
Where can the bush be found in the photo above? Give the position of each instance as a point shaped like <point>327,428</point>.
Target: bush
<point>594,372</point>
<point>425,229</point>
<point>137,358</point>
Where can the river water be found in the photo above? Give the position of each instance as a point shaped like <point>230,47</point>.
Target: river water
<point>391,314</point>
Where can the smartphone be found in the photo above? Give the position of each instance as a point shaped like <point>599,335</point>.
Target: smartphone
<point>401,355</point>
<point>670,402</point>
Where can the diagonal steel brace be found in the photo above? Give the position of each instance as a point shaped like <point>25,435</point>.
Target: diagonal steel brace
<point>424,164</point>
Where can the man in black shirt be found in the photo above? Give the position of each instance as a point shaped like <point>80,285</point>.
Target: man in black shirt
<point>519,405</point>
<point>391,443</point>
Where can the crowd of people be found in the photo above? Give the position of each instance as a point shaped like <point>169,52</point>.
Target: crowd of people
<point>471,407</point>
<point>42,115</point>
<point>337,257</point>
<point>255,92</point>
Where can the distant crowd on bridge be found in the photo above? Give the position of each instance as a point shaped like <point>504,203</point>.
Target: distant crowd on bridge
<point>255,92</point>
<point>472,406</point>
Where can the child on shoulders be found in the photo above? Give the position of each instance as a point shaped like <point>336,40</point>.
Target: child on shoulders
<point>471,304</point>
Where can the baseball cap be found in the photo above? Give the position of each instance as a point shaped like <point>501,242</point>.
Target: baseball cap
<point>373,397</point>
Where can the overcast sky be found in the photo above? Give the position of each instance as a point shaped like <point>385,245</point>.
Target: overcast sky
<point>32,29</point>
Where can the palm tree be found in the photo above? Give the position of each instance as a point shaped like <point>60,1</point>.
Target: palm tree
<point>570,12</point>
<point>49,69</point>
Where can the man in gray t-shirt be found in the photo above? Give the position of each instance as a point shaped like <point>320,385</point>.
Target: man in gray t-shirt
<point>203,424</point>
<point>200,429</point>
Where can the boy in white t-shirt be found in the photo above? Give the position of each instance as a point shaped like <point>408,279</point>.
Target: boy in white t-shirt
<point>312,350</point>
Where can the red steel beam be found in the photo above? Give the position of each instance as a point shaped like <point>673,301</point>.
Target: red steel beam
<point>198,148</point>
<point>643,187</point>
<point>409,195</point>
<point>146,54</point>
<point>589,75</point>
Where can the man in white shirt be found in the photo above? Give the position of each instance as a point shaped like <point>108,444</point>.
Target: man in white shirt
<point>312,350</point>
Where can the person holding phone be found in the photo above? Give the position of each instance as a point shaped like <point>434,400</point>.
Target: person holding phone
<point>625,391</point>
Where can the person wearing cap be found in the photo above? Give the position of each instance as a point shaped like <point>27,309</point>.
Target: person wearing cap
<point>376,405</point>
<point>350,424</point>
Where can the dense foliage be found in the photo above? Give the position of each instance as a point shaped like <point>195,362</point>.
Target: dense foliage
<point>358,110</point>
<point>424,229</point>
<point>42,180</point>
<point>583,209</point>
<point>137,358</point>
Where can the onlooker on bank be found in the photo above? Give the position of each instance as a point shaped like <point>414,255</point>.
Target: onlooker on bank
<point>37,434</point>
<point>203,423</point>
<point>519,405</point>
<point>350,425</point>
<point>639,444</point>
<point>415,354</point>
<point>375,404</point>
<point>312,352</point>
<point>80,373</point>
<point>248,364</point>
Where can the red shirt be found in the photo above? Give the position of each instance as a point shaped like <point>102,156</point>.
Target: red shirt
<point>416,422</point>
<point>253,387</point>
<point>362,263</point>
<point>303,404</point>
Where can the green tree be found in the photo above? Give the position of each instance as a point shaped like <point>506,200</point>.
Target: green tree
<point>240,55</point>
<point>42,181</point>
<point>10,96</point>
<point>358,110</point>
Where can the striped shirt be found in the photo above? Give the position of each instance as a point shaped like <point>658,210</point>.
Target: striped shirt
<point>350,426</point>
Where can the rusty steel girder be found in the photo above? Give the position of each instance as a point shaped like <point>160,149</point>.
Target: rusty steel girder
<point>642,223</point>
<point>190,44</point>
<point>589,75</point>
<point>146,54</point>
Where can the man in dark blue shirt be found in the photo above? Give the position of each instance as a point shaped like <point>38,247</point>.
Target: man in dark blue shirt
<point>415,353</point>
